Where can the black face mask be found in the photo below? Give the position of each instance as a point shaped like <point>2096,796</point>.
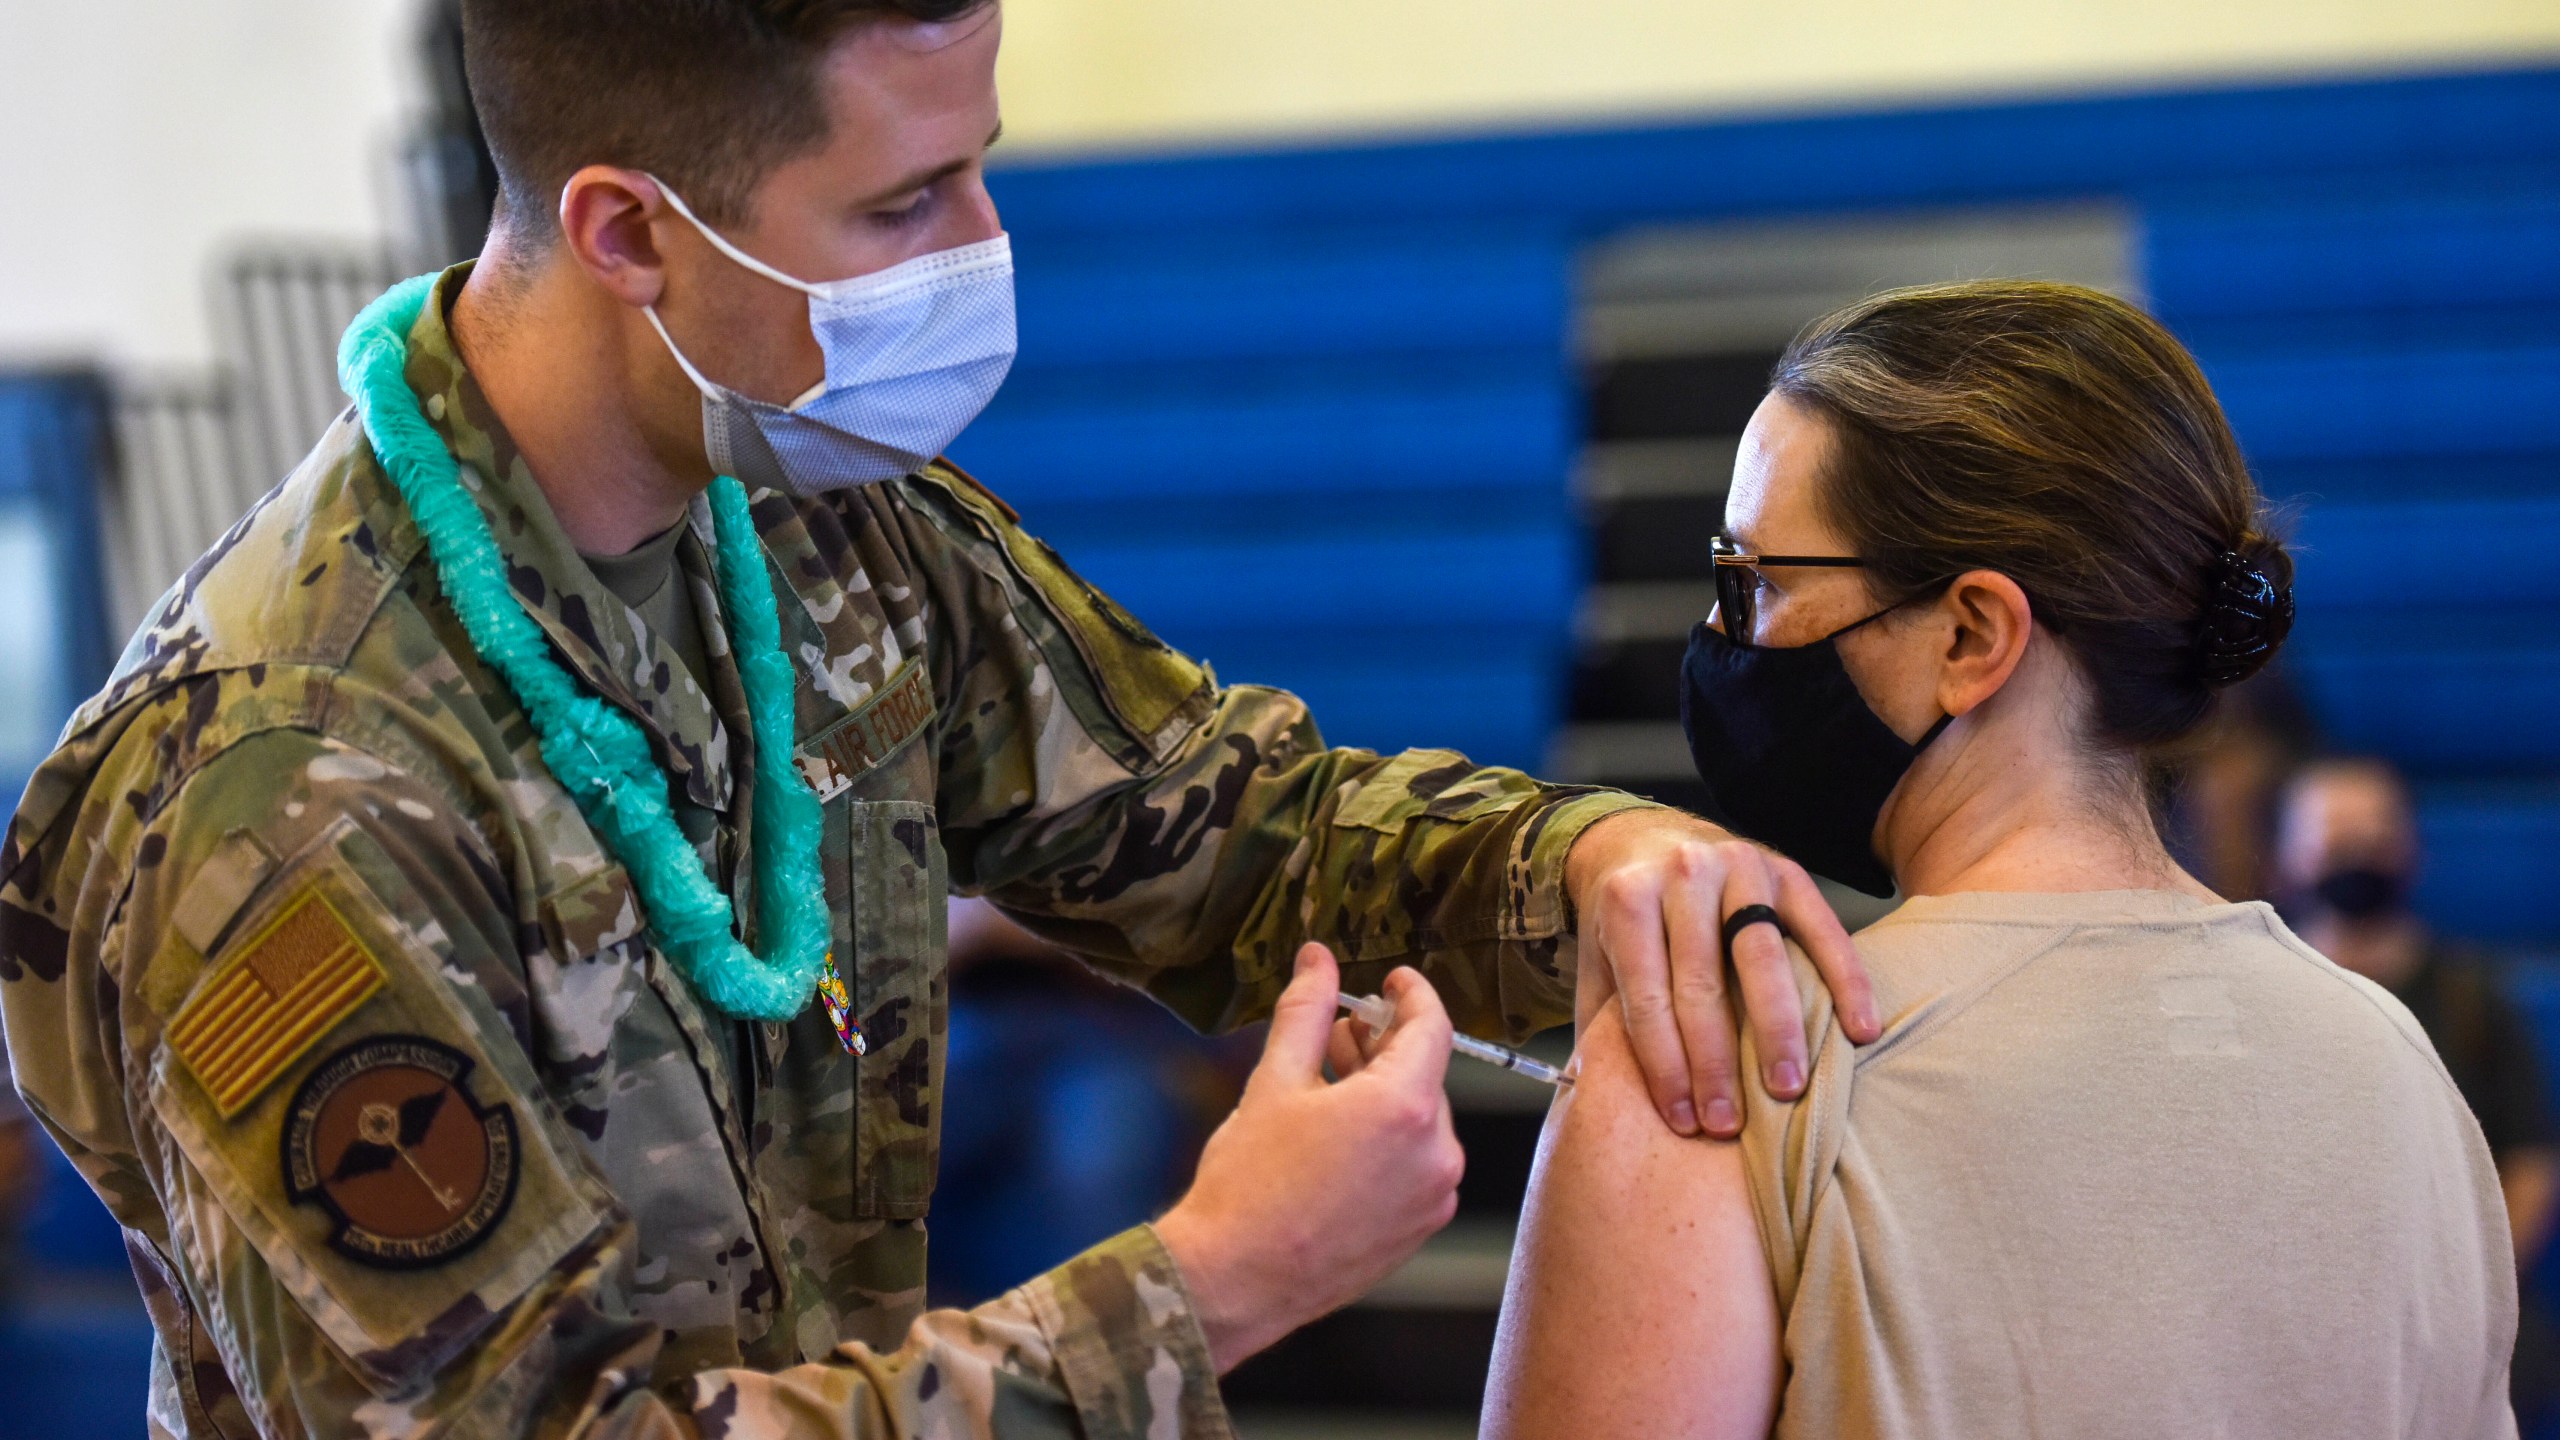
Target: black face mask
<point>2357,892</point>
<point>1792,756</point>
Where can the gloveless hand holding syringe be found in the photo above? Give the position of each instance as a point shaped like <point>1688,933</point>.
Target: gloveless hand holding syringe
<point>1378,1012</point>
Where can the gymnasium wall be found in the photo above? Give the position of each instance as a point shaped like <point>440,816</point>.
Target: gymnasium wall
<point>1314,410</point>
<point>1136,73</point>
<point>1306,399</point>
<point>139,138</point>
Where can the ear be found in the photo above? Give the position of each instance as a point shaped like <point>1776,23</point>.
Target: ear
<point>608,219</point>
<point>1992,623</point>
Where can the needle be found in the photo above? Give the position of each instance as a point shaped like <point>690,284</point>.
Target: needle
<point>1378,1012</point>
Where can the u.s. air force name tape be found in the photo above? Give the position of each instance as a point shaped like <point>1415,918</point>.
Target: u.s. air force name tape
<point>854,746</point>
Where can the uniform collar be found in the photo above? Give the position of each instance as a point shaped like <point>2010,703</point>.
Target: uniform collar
<point>598,637</point>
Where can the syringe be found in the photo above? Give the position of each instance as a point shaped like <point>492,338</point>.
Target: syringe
<point>1378,1012</point>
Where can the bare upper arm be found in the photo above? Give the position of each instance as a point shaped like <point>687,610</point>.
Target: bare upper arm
<point>1640,1300</point>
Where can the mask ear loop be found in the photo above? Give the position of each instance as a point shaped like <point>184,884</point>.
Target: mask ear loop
<point>700,381</point>
<point>1913,598</point>
<point>1945,719</point>
<point>721,243</point>
<point>1862,624</point>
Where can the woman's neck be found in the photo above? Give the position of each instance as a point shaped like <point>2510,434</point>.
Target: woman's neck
<point>2045,853</point>
<point>2014,805</point>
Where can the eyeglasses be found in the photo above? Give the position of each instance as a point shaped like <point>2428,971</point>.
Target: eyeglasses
<point>1735,582</point>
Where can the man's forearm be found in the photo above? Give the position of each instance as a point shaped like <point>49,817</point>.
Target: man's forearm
<point>1106,1346</point>
<point>1200,881</point>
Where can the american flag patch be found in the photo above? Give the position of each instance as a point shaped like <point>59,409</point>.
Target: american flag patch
<point>282,991</point>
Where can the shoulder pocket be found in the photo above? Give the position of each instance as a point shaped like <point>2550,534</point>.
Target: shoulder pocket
<point>381,1146</point>
<point>1151,692</point>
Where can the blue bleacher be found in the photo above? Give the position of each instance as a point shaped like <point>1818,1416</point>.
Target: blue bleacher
<point>1328,459</point>
<point>2385,350</point>
<point>2321,396</point>
<point>2493,863</point>
<point>78,1367</point>
<point>2452,240</point>
<point>1311,411</point>
<point>2430,626</point>
<point>74,1344</point>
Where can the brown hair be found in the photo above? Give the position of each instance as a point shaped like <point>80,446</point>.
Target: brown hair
<point>708,95</point>
<point>2062,438</point>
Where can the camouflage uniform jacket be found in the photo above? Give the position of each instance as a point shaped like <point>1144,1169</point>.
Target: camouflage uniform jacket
<point>337,1001</point>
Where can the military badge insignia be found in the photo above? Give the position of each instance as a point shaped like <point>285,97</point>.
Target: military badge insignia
<point>386,1138</point>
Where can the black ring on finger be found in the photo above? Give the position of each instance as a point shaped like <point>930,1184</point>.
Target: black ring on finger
<point>1746,917</point>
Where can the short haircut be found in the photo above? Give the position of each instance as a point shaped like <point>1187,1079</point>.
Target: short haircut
<point>707,95</point>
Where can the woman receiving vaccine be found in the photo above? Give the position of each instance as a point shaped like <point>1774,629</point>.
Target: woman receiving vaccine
<point>2129,1160</point>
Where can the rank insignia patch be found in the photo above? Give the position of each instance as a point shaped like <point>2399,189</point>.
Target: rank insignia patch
<point>386,1137</point>
<point>271,1001</point>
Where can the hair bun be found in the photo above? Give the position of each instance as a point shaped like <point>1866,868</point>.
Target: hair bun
<point>2247,614</point>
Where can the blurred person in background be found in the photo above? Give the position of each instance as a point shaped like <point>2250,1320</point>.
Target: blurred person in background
<point>2219,789</point>
<point>2347,859</point>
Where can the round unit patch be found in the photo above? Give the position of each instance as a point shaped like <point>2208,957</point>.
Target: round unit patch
<point>386,1137</point>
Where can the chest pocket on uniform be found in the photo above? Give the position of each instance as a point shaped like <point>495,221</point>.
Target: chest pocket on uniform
<point>887,883</point>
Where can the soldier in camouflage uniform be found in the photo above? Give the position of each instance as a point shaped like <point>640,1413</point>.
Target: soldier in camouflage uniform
<point>338,1001</point>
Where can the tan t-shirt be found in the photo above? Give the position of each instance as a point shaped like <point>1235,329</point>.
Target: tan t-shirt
<point>2129,1164</point>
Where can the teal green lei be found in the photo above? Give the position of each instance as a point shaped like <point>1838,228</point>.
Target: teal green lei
<point>595,751</point>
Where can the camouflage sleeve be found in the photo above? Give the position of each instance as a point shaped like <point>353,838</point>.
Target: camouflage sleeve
<point>273,1002</point>
<point>1104,1347</point>
<point>1188,837</point>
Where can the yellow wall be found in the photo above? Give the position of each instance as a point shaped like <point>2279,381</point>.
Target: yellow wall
<point>143,135</point>
<point>1110,73</point>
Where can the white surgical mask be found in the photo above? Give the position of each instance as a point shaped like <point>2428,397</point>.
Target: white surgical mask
<point>913,353</point>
